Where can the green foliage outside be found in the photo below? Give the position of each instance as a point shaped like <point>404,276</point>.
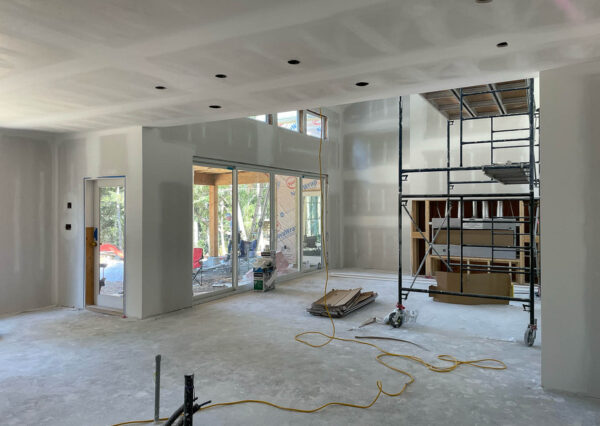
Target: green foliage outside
<point>254,204</point>
<point>112,215</point>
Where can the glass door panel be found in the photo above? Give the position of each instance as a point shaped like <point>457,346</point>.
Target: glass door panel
<point>311,227</point>
<point>286,219</point>
<point>254,225</point>
<point>110,215</point>
<point>212,236</point>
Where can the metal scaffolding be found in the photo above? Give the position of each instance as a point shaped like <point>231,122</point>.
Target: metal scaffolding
<point>496,173</point>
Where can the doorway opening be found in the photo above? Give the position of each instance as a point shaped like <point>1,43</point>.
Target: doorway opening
<point>212,238</point>
<point>105,244</point>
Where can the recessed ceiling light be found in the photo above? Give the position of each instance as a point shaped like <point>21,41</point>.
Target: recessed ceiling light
<point>293,62</point>
<point>483,1</point>
<point>220,76</point>
<point>214,106</point>
<point>502,44</point>
<point>160,87</point>
<point>362,83</point>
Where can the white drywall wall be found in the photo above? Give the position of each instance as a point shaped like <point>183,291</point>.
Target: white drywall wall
<point>426,148</point>
<point>167,224</point>
<point>370,171</point>
<point>95,154</point>
<point>370,185</point>
<point>258,143</point>
<point>157,164</point>
<point>27,231</point>
<point>570,134</point>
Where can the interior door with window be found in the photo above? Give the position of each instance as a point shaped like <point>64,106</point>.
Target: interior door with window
<point>109,254</point>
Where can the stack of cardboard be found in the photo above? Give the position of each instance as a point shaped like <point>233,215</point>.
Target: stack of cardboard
<point>488,284</point>
<point>342,302</point>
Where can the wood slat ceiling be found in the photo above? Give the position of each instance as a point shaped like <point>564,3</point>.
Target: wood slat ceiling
<point>210,170</point>
<point>482,104</point>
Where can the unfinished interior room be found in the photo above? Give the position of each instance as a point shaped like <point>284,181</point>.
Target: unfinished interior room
<point>335,212</point>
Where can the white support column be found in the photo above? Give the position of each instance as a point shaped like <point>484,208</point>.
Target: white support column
<point>570,206</point>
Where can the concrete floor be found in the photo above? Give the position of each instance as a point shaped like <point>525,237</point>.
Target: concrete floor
<point>71,367</point>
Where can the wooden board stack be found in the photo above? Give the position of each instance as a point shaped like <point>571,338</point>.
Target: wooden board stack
<point>342,302</point>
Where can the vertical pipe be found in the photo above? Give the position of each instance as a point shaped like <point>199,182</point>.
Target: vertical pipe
<point>492,138</point>
<point>532,260</point>
<point>461,127</point>
<point>188,400</point>
<point>300,223</point>
<point>235,243</point>
<point>448,188</point>
<point>462,206</point>
<point>157,389</point>
<point>493,242</point>
<point>400,168</point>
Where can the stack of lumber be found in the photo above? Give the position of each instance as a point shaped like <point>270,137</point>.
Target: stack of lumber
<point>342,302</point>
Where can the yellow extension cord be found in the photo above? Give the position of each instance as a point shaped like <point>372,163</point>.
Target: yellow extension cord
<point>383,353</point>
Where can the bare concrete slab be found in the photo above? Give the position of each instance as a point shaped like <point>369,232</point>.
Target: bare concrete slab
<point>70,367</point>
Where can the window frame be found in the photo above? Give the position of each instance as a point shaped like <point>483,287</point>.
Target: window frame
<point>301,120</point>
<point>298,121</point>
<point>323,123</point>
<point>237,166</point>
<point>268,118</point>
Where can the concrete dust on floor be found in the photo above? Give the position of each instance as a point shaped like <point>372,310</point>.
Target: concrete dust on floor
<point>73,367</point>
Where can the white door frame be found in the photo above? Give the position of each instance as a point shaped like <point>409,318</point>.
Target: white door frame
<point>92,219</point>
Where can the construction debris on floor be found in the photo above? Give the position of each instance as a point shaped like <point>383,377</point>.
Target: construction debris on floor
<point>341,302</point>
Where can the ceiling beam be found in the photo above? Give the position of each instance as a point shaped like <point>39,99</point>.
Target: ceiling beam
<point>522,84</point>
<point>492,102</point>
<point>497,99</point>
<point>466,105</point>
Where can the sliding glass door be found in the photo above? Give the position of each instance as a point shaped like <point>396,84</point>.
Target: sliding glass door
<point>286,224</point>
<point>312,239</point>
<point>269,211</point>
<point>254,221</point>
<point>212,237</point>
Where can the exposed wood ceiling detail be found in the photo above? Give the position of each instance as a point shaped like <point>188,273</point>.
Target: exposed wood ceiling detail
<point>214,176</point>
<point>477,104</point>
<point>210,170</point>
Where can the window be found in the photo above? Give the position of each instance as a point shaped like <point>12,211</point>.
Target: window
<point>254,221</point>
<point>212,237</point>
<point>277,213</point>
<point>261,117</point>
<point>286,223</point>
<point>288,120</point>
<point>311,228</point>
<point>315,123</point>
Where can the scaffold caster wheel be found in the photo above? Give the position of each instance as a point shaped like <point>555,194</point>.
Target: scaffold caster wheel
<point>395,318</point>
<point>530,334</point>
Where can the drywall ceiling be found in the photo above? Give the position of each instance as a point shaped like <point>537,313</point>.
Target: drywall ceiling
<point>89,64</point>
